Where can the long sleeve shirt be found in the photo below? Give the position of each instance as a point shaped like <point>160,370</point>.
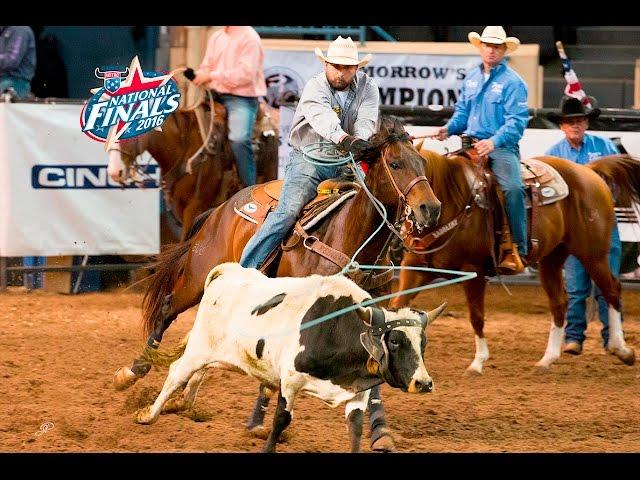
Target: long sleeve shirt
<point>495,108</point>
<point>234,61</point>
<point>17,52</point>
<point>592,147</point>
<point>321,117</point>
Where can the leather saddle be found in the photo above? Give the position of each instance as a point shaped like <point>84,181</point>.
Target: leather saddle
<point>264,198</point>
<point>543,186</point>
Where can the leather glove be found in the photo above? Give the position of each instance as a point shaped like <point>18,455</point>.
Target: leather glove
<point>189,74</point>
<point>356,146</point>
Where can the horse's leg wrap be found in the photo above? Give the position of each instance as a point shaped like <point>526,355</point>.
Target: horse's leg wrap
<point>381,439</point>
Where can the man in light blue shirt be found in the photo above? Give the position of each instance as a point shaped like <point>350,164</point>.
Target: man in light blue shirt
<point>580,147</point>
<point>493,107</point>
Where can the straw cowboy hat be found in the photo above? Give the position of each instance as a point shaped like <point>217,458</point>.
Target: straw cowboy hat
<point>342,51</point>
<point>572,107</point>
<point>495,35</point>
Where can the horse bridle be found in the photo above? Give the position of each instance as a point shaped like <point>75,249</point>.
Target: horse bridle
<point>403,210</point>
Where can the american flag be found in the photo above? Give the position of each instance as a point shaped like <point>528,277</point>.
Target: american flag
<point>573,88</point>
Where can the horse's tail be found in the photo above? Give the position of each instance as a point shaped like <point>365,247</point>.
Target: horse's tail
<point>622,174</point>
<point>164,358</point>
<point>167,268</point>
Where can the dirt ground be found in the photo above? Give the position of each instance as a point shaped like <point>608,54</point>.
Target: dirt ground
<point>58,354</point>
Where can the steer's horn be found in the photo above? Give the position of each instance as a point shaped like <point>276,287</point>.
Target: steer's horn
<point>365,314</point>
<point>99,74</point>
<point>429,317</point>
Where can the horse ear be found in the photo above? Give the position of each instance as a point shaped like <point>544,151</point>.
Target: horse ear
<point>419,145</point>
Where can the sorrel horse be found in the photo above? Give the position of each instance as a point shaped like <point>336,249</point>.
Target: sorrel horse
<point>396,178</point>
<point>213,178</point>
<point>580,224</point>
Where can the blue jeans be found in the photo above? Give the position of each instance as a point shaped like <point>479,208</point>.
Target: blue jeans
<point>579,289</point>
<point>241,117</point>
<point>301,179</point>
<point>20,85</point>
<point>505,165</point>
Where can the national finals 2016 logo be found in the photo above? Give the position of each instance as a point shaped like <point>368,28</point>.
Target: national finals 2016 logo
<point>130,103</point>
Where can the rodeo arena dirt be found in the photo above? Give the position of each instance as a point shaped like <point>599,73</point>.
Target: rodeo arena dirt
<point>59,353</point>
<point>125,292</point>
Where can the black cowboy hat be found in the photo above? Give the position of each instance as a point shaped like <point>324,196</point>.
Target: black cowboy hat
<point>572,107</point>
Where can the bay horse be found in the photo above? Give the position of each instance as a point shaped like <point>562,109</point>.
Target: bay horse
<point>396,178</point>
<point>214,175</point>
<point>580,225</point>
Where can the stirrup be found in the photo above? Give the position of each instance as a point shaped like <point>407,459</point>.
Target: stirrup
<point>511,262</point>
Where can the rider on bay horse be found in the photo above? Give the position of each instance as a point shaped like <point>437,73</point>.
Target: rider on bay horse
<point>232,67</point>
<point>493,108</point>
<point>339,105</point>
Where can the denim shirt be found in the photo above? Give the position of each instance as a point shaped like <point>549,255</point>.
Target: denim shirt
<point>316,118</point>
<point>17,53</point>
<point>496,109</point>
<point>592,147</point>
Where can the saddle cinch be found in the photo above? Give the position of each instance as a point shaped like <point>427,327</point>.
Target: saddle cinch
<point>256,203</point>
<point>543,186</point>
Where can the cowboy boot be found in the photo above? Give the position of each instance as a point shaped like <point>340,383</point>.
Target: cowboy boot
<point>511,262</point>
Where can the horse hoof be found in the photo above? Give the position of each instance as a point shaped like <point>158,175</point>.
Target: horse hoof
<point>541,368</point>
<point>143,416</point>
<point>124,378</point>
<point>384,444</point>
<point>258,431</point>
<point>627,355</point>
<point>472,372</point>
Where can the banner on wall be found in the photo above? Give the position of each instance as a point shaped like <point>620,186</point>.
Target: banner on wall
<point>403,79</point>
<point>55,195</point>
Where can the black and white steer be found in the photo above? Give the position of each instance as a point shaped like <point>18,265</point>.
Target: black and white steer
<point>250,323</point>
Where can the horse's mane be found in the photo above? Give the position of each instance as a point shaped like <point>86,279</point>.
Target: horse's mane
<point>447,178</point>
<point>622,181</point>
<point>390,130</point>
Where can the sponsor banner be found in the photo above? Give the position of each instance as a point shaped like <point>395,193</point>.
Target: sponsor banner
<point>403,79</point>
<point>55,195</point>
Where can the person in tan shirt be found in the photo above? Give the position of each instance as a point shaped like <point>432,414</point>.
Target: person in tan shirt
<point>233,68</point>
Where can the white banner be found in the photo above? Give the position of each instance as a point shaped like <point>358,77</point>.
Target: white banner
<point>404,79</point>
<point>55,195</point>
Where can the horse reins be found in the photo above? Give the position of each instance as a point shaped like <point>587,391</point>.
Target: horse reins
<point>211,120</point>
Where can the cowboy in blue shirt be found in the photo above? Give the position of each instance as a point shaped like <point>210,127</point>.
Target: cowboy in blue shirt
<point>17,59</point>
<point>493,107</point>
<point>581,147</point>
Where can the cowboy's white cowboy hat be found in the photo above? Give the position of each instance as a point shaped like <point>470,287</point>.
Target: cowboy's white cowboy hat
<point>342,51</point>
<point>495,35</point>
